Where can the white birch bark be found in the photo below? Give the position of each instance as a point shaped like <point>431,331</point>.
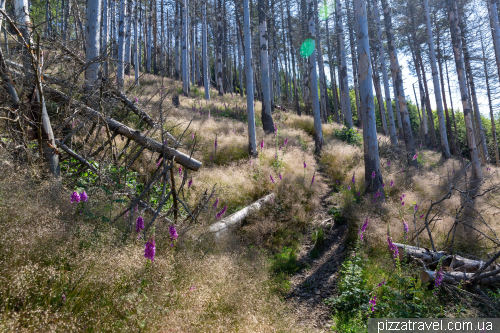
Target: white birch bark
<point>136,43</point>
<point>128,34</point>
<point>220,84</point>
<point>252,146</point>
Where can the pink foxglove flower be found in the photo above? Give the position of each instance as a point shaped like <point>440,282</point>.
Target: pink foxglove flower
<point>373,174</point>
<point>84,197</point>
<point>139,224</point>
<point>392,183</point>
<point>150,250</point>
<point>173,232</point>
<point>270,176</point>
<point>190,182</point>
<point>75,197</point>
<point>393,247</point>
<point>281,178</point>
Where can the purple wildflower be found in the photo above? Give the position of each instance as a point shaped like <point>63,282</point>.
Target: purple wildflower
<point>415,156</point>
<point>353,178</point>
<point>262,144</point>
<point>84,197</point>
<point>219,214</point>
<point>64,298</point>
<point>381,283</point>
<point>286,141</point>
<point>314,174</point>
<point>365,225</point>
<point>136,100</point>
<point>349,187</point>
<point>270,176</point>
<point>392,182</point>
<point>421,215</point>
<point>192,288</point>
<point>180,171</point>
<point>279,148</point>
<point>75,197</point>
<point>439,277</point>
<point>139,224</point>
<point>405,227</point>
<point>149,251</point>
<point>173,232</point>
<point>281,178</point>
<point>305,165</point>
<point>403,203</point>
<point>216,203</point>
<point>373,174</point>
<point>159,161</point>
<point>488,169</point>
<point>360,234</point>
<point>359,193</point>
<point>373,302</point>
<point>393,247</point>
<point>216,143</point>
<point>383,185</point>
<point>416,207</point>
<point>388,163</point>
<point>190,182</point>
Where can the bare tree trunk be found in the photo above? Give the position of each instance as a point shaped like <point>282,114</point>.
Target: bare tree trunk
<point>355,66</point>
<point>121,45</point>
<point>220,84</point>
<point>206,74</point>
<point>457,142</point>
<point>292,53</point>
<point>149,43</point>
<point>176,43</point>
<point>479,124</point>
<point>370,141</point>
<point>430,117</point>
<point>388,101</point>
<point>398,83</point>
<point>333,84</point>
<point>267,120</point>
<point>252,146</point>
<point>128,34</point>
<point>318,132</point>
<point>344,81</point>
<point>435,79</point>
<point>136,44</point>
<point>448,121</point>
<point>488,91</point>
<point>459,62</point>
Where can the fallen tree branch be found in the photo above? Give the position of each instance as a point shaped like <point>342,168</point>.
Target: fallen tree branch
<point>126,131</point>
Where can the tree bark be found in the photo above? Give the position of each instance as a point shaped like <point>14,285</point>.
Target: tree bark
<point>398,83</point>
<point>292,53</point>
<point>388,101</point>
<point>121,45</point>
<point>459,62</point>
<point>252,146</point>
<point>333,84</point>
<point>344,81</point>
<point>206,75</point>
<point>267,120</point>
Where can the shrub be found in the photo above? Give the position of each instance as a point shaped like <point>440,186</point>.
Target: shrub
<point>349,135</point>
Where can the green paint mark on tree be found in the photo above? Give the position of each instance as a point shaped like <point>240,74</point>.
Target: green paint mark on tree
<point>307,48</point>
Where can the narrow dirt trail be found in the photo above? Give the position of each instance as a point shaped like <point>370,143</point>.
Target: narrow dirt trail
<point>310,286</point>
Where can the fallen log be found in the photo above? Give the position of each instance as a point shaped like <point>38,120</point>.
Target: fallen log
<point>235,220</point>
<point>132,134</point>
<point>457,277</point>
<point>431,259</point>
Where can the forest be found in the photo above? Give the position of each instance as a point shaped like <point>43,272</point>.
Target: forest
<point>248,166</point>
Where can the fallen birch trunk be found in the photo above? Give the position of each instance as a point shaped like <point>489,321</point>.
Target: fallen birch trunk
<point>235,220</point>
<point>126,131</point>
<point>457,277</point>
<point>431,259</point>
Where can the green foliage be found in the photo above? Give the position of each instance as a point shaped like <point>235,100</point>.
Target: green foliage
<point>282,265</point>
<point>349,135</point>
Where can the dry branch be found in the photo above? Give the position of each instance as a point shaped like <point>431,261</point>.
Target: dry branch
<point>115,126</point>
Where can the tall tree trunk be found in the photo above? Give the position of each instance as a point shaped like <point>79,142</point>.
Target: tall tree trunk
<point>396,104</point>
<point>459,62</point>
<point>344,81</point>
<point>355,66</point>
<point>430,117</point>
<point>105,37</point>
<point>333,83</point>
<point>128,34</point>
<point>318,132</point>
<point>488,92</point>
<point>149,43</point>
<point>440,65</point>
<point>435,79</point>
<point>418,110</point>
<point>136,43</point>
<point>206,75</point>
<point>220,84</point>
<point>292,54</point>
<point>121,45</point>
<point>267,120</point>
<point>457,142</point>
<point>370,142</point>
<point>252,146</point>
<point>321,66</point>
<point>388,101</point>
<point>479,124</point>
<point>176,43</point>
<point>378,92</point>
<point>398,83</point>
<point>185,50</point>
